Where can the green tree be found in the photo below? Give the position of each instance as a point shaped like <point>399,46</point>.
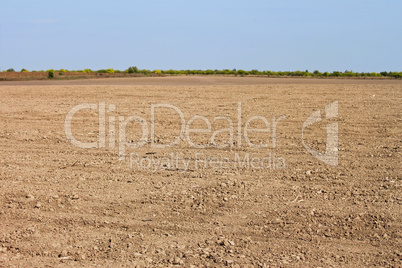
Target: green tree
<point>254,72</point>
<point>395,74</point>
<point>241,72</point>
<point>133,70</point>
<point>209,72</point>
<point>145,71</point>
<point>50,74</point>
<point>317,73</point>
<point>384,73</point>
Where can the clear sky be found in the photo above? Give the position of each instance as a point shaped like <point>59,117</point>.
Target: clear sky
<point>358,35</point>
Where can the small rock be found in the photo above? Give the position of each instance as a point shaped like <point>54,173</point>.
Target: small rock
<point>176,261</point>
<point>228,243</point>
<point>277,221</point>
<point>30,197</point>
<point>64,253</point>
<point>228,262</point>
<point>160,251</point>
<point>38,205</point>
<point>308,172</point>
<point>139,264</point>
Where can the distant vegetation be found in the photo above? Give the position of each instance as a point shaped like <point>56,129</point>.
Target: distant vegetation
<point>50,74</point>
<point>234,72</point>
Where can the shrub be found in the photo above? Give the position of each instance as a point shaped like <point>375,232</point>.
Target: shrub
<point>349,73</point>
<point>62,71</point>
<point>145,71</point>
<point>11,70</point>
<point>24,70</point>
<point>241,72</point>
<point>254,72</point>
<point>172,72</point>
<point>227,71</point>
<point>395,74</point>
<point>157,72</point>
<point>108,71</point>
<point>384,73</point>
<point>133,70</point>
<point>316,72</point>
<point>297,73</point>
<point>209,72</point>
<point>50,74</point>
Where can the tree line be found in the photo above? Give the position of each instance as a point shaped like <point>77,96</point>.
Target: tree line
<point>235,72</point>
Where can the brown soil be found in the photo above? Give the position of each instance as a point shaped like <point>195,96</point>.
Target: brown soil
<point>65,206</point>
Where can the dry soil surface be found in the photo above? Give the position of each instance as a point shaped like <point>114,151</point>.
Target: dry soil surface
<point>221,197</point>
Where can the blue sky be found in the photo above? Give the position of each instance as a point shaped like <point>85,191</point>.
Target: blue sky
<point>358,35</point>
